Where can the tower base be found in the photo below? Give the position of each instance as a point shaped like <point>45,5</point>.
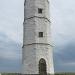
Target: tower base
<point>35,74</point>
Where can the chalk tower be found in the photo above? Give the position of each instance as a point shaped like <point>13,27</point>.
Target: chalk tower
<point>37,49</point>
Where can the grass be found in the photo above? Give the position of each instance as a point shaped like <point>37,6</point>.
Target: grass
<point>54,74</point>
<point>65,74</point>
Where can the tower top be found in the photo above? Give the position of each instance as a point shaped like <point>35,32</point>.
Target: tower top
<point>38,8</point>
<point>34,0</point>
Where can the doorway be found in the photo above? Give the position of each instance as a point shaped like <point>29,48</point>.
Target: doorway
<point>42,67</point>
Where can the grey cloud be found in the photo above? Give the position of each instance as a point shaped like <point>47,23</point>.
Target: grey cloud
<point>7,65</point>
<point>10,55</point>
<point>64,59</point>
<point>9,48</point>
<point>11,18</point>
<point>62,14</point>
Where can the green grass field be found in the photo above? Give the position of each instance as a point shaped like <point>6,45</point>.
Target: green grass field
<point>54,74</point>
<point>65,74</point>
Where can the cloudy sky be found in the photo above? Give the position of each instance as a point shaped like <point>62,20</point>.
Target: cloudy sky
<point>63,29</point>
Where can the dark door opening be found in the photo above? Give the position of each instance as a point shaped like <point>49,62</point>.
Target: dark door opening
<point>42,67</point>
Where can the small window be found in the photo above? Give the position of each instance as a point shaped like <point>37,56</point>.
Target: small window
<point>24,19</point>
<point>40,10</point>
<point>40,34</point>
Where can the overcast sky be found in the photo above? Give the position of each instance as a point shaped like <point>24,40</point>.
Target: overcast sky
<point>62,13</point>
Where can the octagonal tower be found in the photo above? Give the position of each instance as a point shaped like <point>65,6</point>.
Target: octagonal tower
<point>37,54</point>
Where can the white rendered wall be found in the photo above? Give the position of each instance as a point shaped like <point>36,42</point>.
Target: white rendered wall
<point>32,55</point>
<point>32,27</point>
<point>29,60</point>
<point>45,51</point>
<point>34,47</point>
<point>31,8</point>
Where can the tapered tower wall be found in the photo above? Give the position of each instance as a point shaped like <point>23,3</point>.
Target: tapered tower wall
<point>36,46</point>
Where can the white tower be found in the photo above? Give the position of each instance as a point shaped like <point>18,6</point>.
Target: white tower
<point>37,49</point>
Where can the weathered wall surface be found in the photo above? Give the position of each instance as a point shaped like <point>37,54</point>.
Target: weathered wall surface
<point>35,47</point>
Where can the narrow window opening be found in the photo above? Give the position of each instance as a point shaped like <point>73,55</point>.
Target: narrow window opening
<point>40,10</point>
<point>40,34</point>
<point>24,19</point>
